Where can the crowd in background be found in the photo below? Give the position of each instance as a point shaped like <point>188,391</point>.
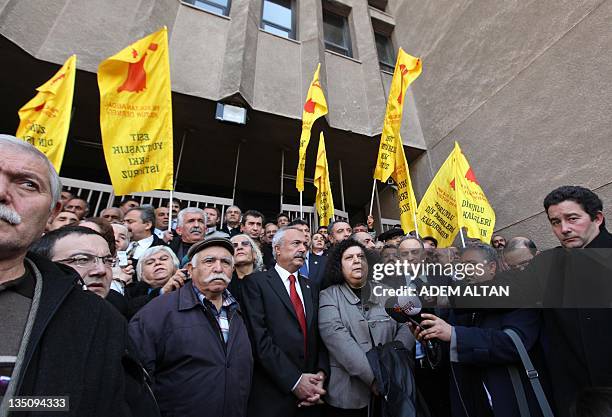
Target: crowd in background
<point>130,313</point>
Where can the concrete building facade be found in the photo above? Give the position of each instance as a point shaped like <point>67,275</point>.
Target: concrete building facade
<point>524,86</point>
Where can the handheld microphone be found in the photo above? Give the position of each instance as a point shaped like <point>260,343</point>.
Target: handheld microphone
<point>404,308</point>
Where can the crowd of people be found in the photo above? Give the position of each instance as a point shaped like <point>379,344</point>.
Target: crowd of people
<point>133,314</point>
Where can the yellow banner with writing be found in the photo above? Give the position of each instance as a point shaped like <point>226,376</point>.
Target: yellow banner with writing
<point>475,214</point>
<point>437,212</point>
<point>45,120</point>
<point>407,69</point>
<point>315,107</point>
<point>391,160</point>
<point>324,200</point>
<point>136,115</point>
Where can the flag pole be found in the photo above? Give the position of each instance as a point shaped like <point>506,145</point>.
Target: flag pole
<point>170,212</point>
<point>372,198</point>
<point>416,227</point>
<point>462,237</point>
<point>301,212</point>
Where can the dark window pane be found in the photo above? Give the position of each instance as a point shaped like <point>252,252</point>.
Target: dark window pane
<point>386,55</point>
<point>333,28</point>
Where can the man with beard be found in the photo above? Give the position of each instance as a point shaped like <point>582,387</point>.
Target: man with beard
<point>194,342</point>
<point>190,228</point>
<point>281,308</point>
<point>46,316</point>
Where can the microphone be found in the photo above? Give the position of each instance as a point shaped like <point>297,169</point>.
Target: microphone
<point>404,308</point>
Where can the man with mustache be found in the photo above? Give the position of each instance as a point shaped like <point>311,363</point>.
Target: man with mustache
<point>190,228</point>
<point>281,308</point>
<point>194,342</point>
<point>46,315</point>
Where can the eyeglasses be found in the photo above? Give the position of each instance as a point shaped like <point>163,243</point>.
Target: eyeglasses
<point>84,260</point>
<point>243,243</point>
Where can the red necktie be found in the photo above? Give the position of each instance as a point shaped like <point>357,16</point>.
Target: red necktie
<point>298,307</point>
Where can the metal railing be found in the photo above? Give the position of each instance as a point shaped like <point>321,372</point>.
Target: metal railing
<point>310,214</point>
<point>101,196</point>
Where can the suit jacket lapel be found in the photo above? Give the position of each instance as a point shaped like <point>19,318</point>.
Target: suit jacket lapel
<point>307,295</point>
<point>279,288</point>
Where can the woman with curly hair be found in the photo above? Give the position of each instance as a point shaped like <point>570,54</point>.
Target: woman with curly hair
<point>350,319</point>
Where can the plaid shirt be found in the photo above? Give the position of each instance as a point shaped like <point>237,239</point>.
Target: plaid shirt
<point>220,315</point>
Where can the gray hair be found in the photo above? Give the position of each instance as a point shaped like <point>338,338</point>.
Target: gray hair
<point>180,217</point>
<point>152,251</point>
<point>125,229</point>
<point>257,258</point>
<point>54,179</point>
<point>487,251</point>
<point>411,237</point>
<point>279,236</point>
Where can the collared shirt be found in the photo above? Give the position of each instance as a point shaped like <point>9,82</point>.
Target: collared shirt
<point>284,274</point>
<point>159,233</point>
<point>220,315</point>
<point>143,245</point>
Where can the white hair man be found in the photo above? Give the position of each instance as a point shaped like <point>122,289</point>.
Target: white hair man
<point>51,316</point>
<point>186,337</point>
<point>191,228</point>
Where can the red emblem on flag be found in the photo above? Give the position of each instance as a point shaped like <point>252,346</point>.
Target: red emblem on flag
<point>452,184</point>
<point>309,106</point>
<point>470,176</point>
<point>136,80</point>
<point>40,107</point>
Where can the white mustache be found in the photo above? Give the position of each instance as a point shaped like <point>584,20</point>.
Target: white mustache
<point>217,275</point>
<point>195,229</point>
<point>9,215</point>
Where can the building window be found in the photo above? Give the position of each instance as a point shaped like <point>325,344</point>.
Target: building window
<point>214,6</point>
<point>336,33</point>
<point>386,53</point>
<point>277,18</point>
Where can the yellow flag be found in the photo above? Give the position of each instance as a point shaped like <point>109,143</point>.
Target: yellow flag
<point>136,115</point>
<point>315,107</point>
<point>324,200</point>
<point>475,212</point>
<point>437,212</point>
<point>407,69</point>
<point>405,194</point>
<point>391,158</point>
<point>45,120</point>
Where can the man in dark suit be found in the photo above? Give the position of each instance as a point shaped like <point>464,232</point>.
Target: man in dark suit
<point>140,222</point>
<point>281,309</point>
<point>314,265</point>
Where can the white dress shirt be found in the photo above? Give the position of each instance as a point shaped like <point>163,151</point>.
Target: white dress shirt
<point>143,245</point>
<point>284,274</point>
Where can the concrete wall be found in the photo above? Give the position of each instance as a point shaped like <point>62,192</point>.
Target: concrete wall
<point>216,57</point>
<point>524,86</point>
